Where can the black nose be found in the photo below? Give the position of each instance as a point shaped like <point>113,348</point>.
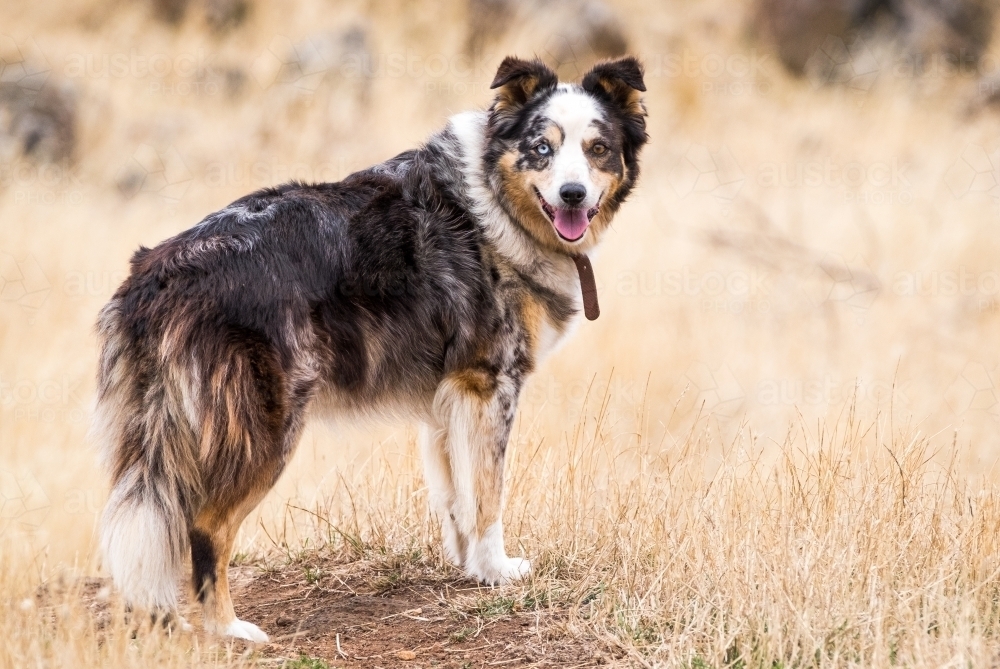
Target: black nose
<point>573,193</point>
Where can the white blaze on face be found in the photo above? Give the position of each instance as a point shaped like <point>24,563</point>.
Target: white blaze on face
<point>575,113</point>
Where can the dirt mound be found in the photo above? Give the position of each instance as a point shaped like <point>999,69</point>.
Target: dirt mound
<point>394,611</point>
<point>387,615</point>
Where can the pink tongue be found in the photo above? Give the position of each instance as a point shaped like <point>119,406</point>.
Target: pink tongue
<point>571,223</point>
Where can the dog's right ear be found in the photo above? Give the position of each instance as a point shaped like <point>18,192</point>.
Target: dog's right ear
<point>518,81</point>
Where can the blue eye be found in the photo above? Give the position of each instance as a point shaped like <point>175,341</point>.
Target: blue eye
<point>543,149</point>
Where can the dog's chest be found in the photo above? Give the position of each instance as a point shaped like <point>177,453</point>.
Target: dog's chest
<point>547,333</point>
<point>551,336</point>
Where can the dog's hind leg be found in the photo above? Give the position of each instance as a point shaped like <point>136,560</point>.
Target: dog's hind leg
<point>251,431</point>
<point>478,410</point>
<point>212,539</point>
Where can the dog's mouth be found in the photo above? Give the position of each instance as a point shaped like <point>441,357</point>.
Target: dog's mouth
<point>570,223</point>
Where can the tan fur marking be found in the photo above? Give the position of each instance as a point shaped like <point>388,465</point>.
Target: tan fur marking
<point>518,190</point>
<point>609,184</point>
<point>631,98</point>
<point>476,382</point>
<point>221,520</point>
<point>553,136</point>
<point>531,317</point>
<point>511,95</point>
<point>489,494</point>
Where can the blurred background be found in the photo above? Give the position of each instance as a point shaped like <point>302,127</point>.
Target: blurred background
<point>816,231</point>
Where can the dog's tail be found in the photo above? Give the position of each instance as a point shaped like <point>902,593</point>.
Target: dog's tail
<point>144,424</point>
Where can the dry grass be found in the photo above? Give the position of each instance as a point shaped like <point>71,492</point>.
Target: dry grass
<point>777,447</point>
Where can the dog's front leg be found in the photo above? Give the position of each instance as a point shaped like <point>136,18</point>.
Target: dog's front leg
<point>441,489</point>
<point>476,410</point>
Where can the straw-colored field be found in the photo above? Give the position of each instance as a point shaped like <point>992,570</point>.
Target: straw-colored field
<point>776,447</point>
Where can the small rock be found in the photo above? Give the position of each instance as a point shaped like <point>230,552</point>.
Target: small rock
<point>803,31</point>
<point>171,11</point>
<point>223,15</point>
<point>305,65</point>
<point>572,34</point>
<point>406,655</point>
<point>283,621</point>
<point>38,124</point>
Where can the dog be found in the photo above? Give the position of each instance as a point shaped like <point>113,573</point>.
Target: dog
<point>429,285</point>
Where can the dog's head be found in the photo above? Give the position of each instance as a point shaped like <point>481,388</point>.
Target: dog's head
<point>563,157</point>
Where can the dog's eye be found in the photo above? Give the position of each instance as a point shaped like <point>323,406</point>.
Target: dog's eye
<point>543,148</point>
<point>598,149</point>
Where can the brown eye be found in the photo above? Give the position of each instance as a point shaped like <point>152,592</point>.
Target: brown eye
<point>599,149</point>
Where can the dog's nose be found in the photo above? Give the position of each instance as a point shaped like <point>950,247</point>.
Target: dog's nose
<point>573,193</point>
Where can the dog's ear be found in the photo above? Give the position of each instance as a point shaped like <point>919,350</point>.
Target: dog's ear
<point>518,81</point>
<point>620,82</point>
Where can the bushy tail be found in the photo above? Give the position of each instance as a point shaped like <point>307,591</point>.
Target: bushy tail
<point>148,446</point>
<point>143,542</point>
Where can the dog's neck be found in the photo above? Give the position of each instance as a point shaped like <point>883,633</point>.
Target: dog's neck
<point>556,271</point>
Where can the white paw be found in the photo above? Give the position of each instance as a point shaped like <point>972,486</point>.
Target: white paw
<point>241,629</point>
<point>515,569</point>
<point>504,570</point>
<point>488,561</point>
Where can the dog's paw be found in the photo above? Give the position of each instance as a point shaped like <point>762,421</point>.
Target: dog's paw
<point>174,623</point>
<point>454,545</point>
<point>502,571</point>
<point>241,629</point>
<point>453,557</point>
<point>515,569</point>
<point>183,625</point>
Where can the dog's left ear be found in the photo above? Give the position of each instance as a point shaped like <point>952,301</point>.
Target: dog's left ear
<point>620,82</point>
<point>518,81</point>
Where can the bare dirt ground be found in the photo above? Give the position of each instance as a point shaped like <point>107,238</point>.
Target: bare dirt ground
<point>387,613</point>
